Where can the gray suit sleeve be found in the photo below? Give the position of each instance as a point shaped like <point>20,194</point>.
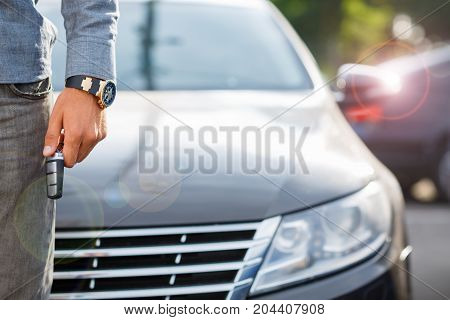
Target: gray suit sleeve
<point>91,31</point>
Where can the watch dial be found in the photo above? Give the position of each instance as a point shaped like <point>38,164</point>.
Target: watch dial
<point>109,93</point>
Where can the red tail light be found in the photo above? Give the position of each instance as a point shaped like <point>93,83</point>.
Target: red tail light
<point>369,113</point>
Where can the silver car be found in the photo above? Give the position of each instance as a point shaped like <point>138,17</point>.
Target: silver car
<point>332,230</point>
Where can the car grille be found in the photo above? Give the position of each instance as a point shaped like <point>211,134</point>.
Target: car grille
<point>194,262</point>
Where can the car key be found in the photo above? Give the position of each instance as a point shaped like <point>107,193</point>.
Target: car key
<point>55,175</point>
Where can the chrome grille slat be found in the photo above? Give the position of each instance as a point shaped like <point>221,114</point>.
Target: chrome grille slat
<point>182,248</point>
<point>158,292</point>
<point>215,260</point>
<point>168,270</point>
<point>117,233</point>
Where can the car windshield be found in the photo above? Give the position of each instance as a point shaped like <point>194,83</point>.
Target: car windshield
<point>181,46</point>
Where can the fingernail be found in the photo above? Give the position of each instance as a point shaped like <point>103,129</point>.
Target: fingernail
<point>47,149</point>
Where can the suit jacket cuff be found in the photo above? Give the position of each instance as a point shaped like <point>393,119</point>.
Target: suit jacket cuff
<point>91,57</point>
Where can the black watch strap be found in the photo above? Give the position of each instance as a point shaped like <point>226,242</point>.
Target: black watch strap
<point>85,83</point>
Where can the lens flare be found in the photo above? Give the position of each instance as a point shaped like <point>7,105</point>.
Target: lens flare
<point>393,82</point>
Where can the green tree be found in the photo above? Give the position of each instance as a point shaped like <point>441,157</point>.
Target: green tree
<point>363,26</point>
<point>340,31</point>
<point>316,22</point>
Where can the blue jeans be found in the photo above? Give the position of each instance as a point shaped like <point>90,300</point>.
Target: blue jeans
<point>26,214</point>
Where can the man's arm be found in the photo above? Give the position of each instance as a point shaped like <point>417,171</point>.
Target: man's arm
<point>91,29</point>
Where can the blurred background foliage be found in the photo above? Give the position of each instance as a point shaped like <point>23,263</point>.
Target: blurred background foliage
<point>341,31</point>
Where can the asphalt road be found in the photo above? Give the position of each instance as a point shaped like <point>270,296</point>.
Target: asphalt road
<point>429,234</point>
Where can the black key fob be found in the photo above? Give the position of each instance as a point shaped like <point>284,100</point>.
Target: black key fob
<point>55,175</point>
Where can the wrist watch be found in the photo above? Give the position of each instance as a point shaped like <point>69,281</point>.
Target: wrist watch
<point>105,90</point>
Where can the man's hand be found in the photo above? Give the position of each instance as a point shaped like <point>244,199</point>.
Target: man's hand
<point>84,124</point>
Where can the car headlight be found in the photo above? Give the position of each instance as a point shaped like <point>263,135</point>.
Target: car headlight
<point>326,238</point>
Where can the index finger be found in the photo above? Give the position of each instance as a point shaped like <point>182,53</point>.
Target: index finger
<point>71,149</point>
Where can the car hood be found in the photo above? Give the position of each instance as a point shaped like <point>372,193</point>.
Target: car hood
<point>110,189</point>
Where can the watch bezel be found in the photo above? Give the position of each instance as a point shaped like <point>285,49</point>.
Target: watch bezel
<point>102,91</point>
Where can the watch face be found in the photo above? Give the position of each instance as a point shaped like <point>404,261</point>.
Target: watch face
<point>109,93</point>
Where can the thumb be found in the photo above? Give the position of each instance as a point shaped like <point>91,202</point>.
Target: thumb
<point>53,134</point>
